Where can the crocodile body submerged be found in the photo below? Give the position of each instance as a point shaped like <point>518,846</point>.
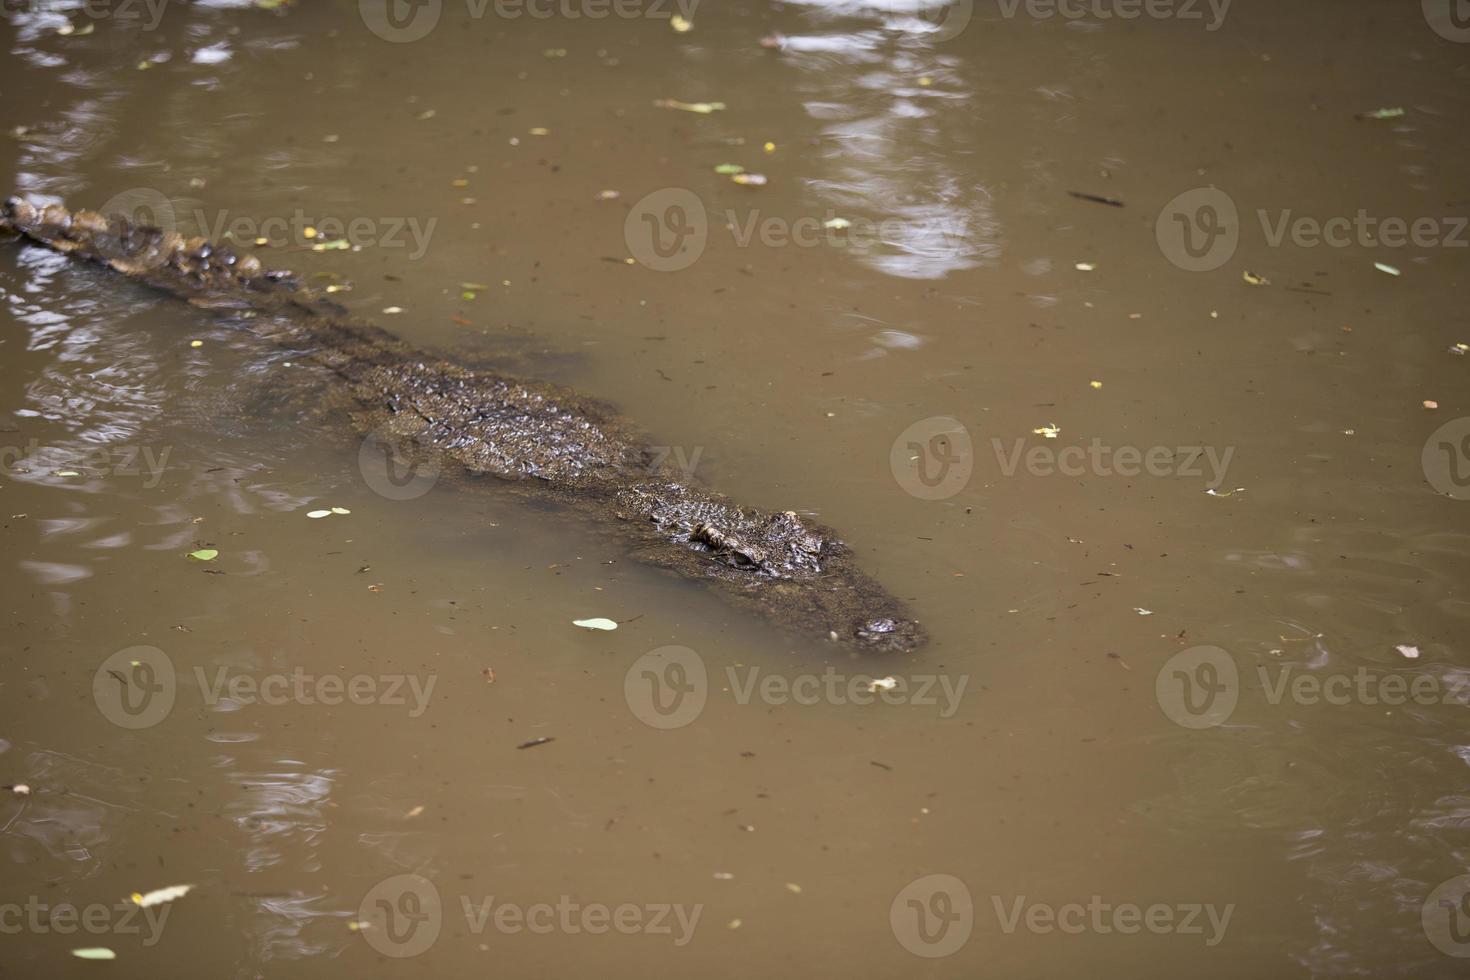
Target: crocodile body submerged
<point>540,437</point>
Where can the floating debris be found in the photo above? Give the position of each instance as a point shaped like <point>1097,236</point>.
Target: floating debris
<point>750,180</point>
<point>1111,202</point>
<point>1409,651</point>
<point>1389,269</point>
<point>1084,267</point>
<point>1430,403</point>
<point>836,224</point>
<point>597,623</point>
<point>94,953</point>
<point>703,108</point>
<point>1225,493</point>
<point>680,24</point>
<point>1142,611</point>
<point>882,684</point>
<point>1254,279</point>
<point>536,741</point>
<point>1051,430</point>
<point>1392,113</point>
<point>609,195</point>
<point>160,895</point>
<point>204,554</point>
<point>729,168</point>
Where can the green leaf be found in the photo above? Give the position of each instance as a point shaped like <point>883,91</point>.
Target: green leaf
<point>204,554</point>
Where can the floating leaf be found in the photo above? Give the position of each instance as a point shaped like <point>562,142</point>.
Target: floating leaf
<point>837,224</point>
<point>317,515</point>
<point>595,624</point>
<point>340,510</point>
<point>750,180</point>
<point>1411,652</point>
<point>680,25</point>
<point>608,195</point>
<point>1142,611</point>
<point>1085,267</point>
<point>160,895</point>
<point>1384,267</point>
<point>1051,430</point>
<point>1254,279</point>
<point>204,554</point>
<point>94,953</point>
<point>704,108</point>
<point>1392,113</point>
<point>540,131</point>
<point>729,168</point>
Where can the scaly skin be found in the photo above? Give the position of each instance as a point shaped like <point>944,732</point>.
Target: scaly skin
<point>539,437</point>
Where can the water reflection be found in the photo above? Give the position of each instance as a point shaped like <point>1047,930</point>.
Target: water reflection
<point>895,116</point>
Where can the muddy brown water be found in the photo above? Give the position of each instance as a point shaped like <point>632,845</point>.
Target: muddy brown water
<point>1158,731</point>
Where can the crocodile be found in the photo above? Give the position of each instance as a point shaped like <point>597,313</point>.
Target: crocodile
<point>540,438</point>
